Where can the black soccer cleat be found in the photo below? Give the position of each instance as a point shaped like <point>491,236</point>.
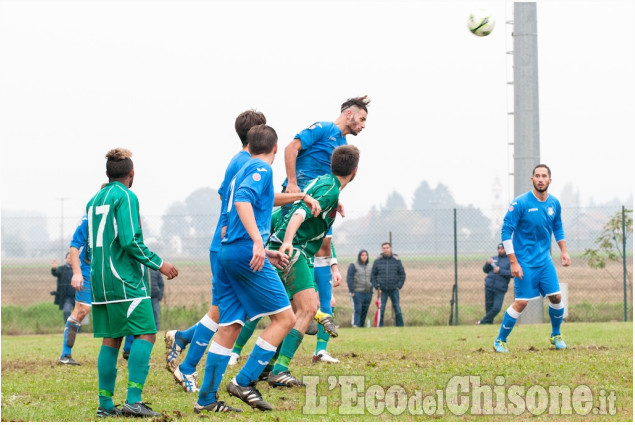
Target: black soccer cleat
<point>249,395</point>
<point>217,406</point>
<point>68,360</point>
<point>104,413</point>
<point>139,410</point>
<point>284,379</point>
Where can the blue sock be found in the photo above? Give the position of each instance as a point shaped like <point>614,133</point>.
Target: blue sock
<point>202,336</point>
<point>258,359</point>
<point>127,343</point>
<point>72,326</point>
<point>215,367</point>
<point>556,314</point>
<point>509,320</point>
<point>183,338</point>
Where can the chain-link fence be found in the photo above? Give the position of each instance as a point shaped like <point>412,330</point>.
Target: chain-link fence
<point>437,247</point>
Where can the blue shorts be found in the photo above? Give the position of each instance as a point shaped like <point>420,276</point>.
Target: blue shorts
<point>84,295</point>
<point>242,293</point>
<point>537,281</point>
<point>213,261</point>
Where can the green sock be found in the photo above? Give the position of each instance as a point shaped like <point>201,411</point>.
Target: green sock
<point>107,373</point>
<point>245,333</point>
<point>138,368</point>
<point>290,345</point>
<point>322,339</point>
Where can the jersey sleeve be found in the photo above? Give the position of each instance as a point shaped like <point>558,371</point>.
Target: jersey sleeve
<point>130,235</point>
<point>253,186</point>
<point>80,237</point>
<point>514,212</point>
<point>558,230</point>
<point>310,135</point>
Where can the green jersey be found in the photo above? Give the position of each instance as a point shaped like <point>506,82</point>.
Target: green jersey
<point>308,239</point>
<point>118,254</point>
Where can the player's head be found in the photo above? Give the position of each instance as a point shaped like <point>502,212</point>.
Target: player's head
<point>344,161</point>
<point>245,121</point>
<point>354,111</point>
<point>262,139</point>
<point>119,165</point>
<point>541,178</point>
<point>386,249</point>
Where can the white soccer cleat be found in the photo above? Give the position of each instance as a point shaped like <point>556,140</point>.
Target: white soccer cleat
<point>233,359</point>
<point>188,382</point>
<point>324,356</point>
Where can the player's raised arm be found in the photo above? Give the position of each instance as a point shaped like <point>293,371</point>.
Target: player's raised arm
<point>290,157</point>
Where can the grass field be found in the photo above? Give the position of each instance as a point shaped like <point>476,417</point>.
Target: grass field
<point>408,364</point>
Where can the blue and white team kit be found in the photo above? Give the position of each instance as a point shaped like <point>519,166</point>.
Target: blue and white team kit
<point>240,292</point>
<point>80,241</point>
<point>531,222</point>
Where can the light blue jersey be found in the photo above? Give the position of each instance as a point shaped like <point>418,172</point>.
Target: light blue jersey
<point>318,143</point>
<point>253,184</point>
<point>237,162</point>
<point>530,223</point>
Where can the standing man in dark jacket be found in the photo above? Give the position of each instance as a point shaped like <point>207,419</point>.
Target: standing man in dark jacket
<point>360,288</point>
<point>64,294</point>
<point>388,275</point>
<point>499,272</point>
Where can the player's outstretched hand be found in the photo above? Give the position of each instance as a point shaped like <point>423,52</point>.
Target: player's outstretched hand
<point>314,205</point>
<point>340,209</point>
<point>565,259</point>
<point>77,281</point>
<point>258,258</point>
<point>278,259</point>
<point>168,270</point>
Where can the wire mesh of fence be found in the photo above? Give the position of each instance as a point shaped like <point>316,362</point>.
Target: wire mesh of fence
<point>436,254</point>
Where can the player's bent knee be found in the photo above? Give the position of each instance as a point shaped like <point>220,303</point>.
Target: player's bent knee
<point>555,299</point>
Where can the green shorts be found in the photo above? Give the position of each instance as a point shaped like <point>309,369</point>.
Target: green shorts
<point>298,275</point>
<point>116,320</point>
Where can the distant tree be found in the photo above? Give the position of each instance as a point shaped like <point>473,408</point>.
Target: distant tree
<point>427,199</point>
<point>611,242</point>
<point>395,202</point>
<point>175,222</point>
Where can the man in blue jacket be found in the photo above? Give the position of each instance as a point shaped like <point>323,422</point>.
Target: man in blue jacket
<point>499,273</point>
<point>388,275</point>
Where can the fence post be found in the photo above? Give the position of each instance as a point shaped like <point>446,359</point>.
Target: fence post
<point>624,263</point>
<point>456,276</point>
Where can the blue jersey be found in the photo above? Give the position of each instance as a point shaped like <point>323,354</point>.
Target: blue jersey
<point>318,143</point>
<point>237,162</point>
<point>253,184</point>
<point>531,222</point>
<point>80,241</point>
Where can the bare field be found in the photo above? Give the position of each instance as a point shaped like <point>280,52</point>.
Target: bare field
<point>428,283</point>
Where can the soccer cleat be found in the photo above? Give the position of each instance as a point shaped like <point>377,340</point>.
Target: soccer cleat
<point>217,406</point>
<point>249,395</point>
<point>125,355</point>
<point>558,342</point>
<point>172,351</point>
<point>233,359</point>
<point>103,413</point>
<point>326,320</point>
<point>188,382</point>
<point>284,379</point>
<point>139,410</point>
<point>312,329</point>
<point>500,346</point>
<point>67,359</point>
<point>324,356</point>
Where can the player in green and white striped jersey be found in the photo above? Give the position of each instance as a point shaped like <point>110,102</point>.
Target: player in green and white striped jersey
<point>120,292</point>
<point>300,236</point>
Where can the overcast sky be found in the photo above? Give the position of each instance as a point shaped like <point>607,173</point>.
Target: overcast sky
<point>166,79</point>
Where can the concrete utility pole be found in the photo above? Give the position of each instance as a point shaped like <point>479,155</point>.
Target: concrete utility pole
<point>526,116</point>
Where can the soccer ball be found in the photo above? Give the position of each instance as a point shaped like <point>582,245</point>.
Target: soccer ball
<point>480,23</point>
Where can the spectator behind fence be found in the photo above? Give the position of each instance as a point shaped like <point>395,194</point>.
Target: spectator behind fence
<point>64,294</point>
<point>388,275</point>
<point>156,294</point>
<point>499,273</point>
<point>360,288</point>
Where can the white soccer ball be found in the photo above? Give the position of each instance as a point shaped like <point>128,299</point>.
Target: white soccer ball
<point>481,22</point>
